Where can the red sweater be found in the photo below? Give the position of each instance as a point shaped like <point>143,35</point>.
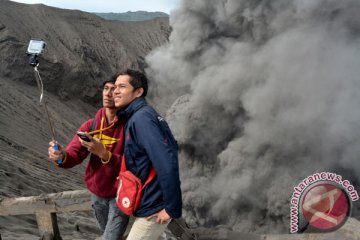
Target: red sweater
<point>100,179</point>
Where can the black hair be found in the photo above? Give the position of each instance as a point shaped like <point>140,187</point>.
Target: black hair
<point>112,80</point>
<point>137,79</point>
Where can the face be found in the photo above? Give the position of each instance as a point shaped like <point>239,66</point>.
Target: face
<point>108,98</point>
<point>124,93</point>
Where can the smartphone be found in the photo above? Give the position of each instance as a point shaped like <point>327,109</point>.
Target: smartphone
<point>83,136</point>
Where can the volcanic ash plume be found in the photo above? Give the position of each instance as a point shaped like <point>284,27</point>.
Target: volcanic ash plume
<point>267,93</point>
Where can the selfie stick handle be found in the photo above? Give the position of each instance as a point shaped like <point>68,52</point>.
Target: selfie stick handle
<point>57,148</point>
<point>52,130</point>
<point>56,145</point>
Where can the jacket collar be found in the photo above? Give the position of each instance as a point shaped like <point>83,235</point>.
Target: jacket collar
<point>130,109</point>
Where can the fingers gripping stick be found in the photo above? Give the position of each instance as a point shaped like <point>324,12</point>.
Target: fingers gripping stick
<point>57,148</point>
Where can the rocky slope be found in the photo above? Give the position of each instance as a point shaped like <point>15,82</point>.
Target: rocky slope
<point>82,50</point>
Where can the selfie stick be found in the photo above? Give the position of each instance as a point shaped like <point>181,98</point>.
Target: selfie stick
<point>34,62</point>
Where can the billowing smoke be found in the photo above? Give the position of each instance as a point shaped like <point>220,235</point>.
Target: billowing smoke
<point>267,93</point>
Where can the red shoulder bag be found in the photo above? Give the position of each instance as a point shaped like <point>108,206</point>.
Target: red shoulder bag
<point>130,189</point>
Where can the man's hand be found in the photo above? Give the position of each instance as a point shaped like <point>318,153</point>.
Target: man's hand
<point>95,146</point>
<point>55,155</point>
<point>161,217</point>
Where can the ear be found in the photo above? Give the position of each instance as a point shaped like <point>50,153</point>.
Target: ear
<point>139,92</point>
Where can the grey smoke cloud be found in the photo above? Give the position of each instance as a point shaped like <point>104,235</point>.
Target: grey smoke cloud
<point>266,93</point>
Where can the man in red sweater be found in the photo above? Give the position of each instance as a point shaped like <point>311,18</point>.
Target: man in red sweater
<point>106,147</point>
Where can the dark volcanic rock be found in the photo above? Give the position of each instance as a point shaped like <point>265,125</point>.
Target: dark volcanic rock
<point>82,48</point>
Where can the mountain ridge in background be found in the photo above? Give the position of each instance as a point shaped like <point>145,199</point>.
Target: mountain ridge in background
<point>131,16</point>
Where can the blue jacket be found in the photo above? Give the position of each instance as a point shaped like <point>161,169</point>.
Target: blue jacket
<point>150,143</point>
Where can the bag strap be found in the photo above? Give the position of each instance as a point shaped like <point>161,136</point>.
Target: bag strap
<point>123,165</point>
<point>151,176</point>
<point>93,125</point>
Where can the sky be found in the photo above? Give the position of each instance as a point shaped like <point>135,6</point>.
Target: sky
<point>117,6</point>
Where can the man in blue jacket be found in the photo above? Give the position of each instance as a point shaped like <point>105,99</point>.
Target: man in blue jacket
<point>149,143</point>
